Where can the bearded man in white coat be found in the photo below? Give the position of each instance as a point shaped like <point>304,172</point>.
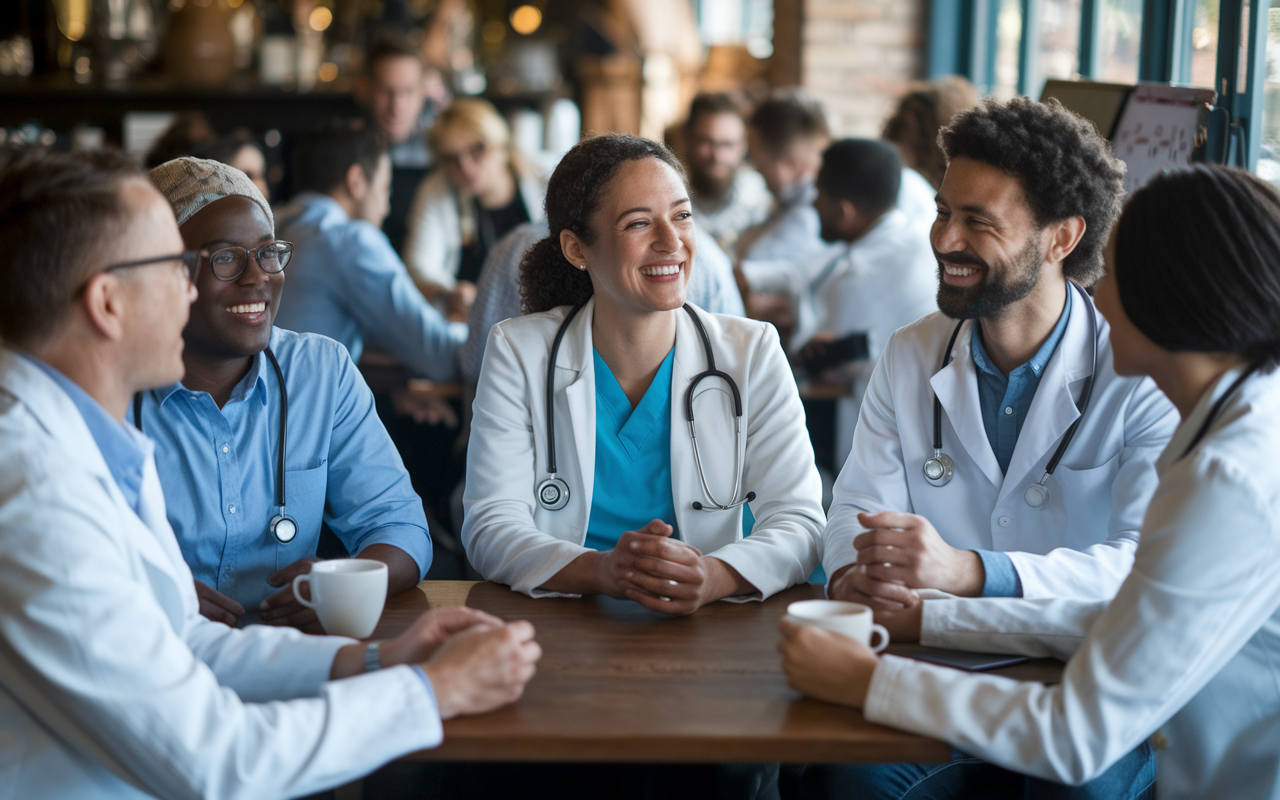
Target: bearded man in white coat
<point>1030,193</point>
<point>111,682</point>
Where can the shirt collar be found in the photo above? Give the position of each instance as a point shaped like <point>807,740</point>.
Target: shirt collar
<point>124,454</point>
<point>1037,362</point>
<point>253,383</point>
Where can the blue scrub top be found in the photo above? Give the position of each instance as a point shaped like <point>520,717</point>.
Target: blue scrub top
<point>633,457</point>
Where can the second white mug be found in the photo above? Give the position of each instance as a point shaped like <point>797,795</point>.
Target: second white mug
<point>347,595</point>
<point>850,619</point>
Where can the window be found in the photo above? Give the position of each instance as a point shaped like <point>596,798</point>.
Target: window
<point>1119,35</point>
<point>1269,146</point>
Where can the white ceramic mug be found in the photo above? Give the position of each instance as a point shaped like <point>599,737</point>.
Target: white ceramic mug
<point>347,594</point>
<point>851,619</point>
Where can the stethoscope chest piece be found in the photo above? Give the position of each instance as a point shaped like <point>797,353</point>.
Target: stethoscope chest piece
<point>553,494</point>
<point>283,528</point>
<point>939,469</point>
<point>1036,495</point>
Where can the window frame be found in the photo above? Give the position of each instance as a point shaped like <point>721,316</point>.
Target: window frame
<point>962,41</point>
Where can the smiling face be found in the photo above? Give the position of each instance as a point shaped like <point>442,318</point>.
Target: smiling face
<point>231,319</point>
<point>989,249</point>
<point>641,253</point>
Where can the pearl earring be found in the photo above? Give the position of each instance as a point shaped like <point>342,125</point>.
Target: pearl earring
<point>582,267</point>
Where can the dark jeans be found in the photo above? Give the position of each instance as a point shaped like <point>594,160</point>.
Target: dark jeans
<point>472,781</point>
<point>1131,778</point>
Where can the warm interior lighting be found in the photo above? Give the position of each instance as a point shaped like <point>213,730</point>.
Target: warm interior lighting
<point>327,72</point>
<point>493,31</point>
<point>235,3</point>
<point>73,16</point>
<point>526,19</point>
<point>320,18</point>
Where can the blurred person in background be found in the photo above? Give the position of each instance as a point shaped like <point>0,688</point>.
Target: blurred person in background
<point>924,111</point>
<point>728,196</point>
<point>483,189</point>
<point>238,151</point>
<point>401,95</point>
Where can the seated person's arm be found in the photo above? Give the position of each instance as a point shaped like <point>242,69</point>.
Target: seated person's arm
<point>389,309</point>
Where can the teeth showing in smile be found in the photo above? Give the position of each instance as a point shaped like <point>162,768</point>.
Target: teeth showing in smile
<point>958,271</point>
<point>249,308</point>
<point>674,269</point>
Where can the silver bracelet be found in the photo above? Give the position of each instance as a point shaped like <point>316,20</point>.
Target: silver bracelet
<point>372,661</point>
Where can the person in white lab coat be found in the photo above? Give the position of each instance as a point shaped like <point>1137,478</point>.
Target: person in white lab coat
<point>646,517</point>
<point>884,279</point>
<point>111,682</point>
<point>1186,651</point>
<point>1028,197</point>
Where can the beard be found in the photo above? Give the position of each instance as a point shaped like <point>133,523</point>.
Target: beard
<point>708,188</point>
<point>1015,280</point>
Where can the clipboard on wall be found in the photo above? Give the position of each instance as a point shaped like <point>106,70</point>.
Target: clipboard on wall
<point>1162,127</point>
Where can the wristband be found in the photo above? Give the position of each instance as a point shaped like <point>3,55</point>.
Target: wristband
<point>372,661</point>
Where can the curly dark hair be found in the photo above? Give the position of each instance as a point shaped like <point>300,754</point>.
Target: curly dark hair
<point>547,279</point>
<point>1198,262</point>
<point>1065,166</point>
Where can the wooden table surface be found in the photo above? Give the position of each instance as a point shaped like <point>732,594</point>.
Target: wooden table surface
<point>618,683</point>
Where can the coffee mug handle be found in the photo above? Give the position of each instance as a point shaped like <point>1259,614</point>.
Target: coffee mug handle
<point>306,577</point>
<point>880,629</point>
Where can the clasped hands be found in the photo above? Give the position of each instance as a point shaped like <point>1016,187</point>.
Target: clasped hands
<point>475,661</point>
<point>662,573</point>
<point>281,608</point>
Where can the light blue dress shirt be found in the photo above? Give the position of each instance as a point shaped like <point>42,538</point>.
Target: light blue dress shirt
<point>346,282</point>
<point>632,485</point>
<point>125,458</point>
<point>1005,403</point>
<point>218,468</point>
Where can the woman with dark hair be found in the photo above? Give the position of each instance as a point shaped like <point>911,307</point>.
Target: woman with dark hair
<point>584,475</point>
<point>1187,652</point>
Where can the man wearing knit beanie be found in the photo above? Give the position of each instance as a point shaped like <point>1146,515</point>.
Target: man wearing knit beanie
<point>217,432</point>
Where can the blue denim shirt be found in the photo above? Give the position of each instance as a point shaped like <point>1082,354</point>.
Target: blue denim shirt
<point>1005,403</point>
<point>218,468</point>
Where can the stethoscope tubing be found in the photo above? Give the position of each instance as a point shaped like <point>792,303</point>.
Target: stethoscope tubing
<point>553,493</point>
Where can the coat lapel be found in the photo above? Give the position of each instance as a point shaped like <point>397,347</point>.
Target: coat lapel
<point>1053,408</point>
<point>576,415</point>
<point>956,387</point>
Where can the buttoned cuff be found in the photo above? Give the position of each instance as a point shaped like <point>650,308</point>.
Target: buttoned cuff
<point>1001,578</point>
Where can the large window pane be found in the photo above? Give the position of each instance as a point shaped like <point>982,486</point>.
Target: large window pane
<point>1058,43</point>
<point>1008,40</point>
<point>1204,43</point>
<point>1269,157</point>
<point>1119,32</point>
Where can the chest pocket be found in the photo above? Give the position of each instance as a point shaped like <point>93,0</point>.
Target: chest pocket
<point>715,425</point>
<point>305,496</point>
<point>1087,495</point>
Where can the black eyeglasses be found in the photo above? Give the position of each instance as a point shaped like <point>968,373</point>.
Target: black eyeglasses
<point>229,263</point>
<point>189,258</point>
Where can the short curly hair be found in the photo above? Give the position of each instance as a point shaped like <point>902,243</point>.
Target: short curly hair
<point>547,279</point>
<point>1065,166</point>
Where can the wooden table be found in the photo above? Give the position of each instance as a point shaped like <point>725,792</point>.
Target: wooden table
<point>619,683</point>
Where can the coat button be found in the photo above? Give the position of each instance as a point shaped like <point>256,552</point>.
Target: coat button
<point>1005,522</point>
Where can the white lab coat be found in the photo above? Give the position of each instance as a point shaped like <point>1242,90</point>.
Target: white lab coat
<point>433,245</point>
<point>113,685</point>
<point>1189,646</point>
<point>1080,544</point>
<point>511,539</point>
<point>883,281</point>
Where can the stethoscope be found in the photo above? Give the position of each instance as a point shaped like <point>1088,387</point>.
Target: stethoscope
<point>553,493</point>
<point>939,468</point>
<point>282,526</point>
<point>1217,407</point>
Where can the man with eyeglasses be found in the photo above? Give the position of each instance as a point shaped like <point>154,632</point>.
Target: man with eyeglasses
<point>217,432</point>
<point>111,682</point>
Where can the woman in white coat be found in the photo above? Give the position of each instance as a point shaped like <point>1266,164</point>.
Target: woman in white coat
<point>610,493</point>
<point>483,189</point>
<point>1186,653</point>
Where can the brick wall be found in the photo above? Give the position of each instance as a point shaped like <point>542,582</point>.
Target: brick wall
<point>858,56</point>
